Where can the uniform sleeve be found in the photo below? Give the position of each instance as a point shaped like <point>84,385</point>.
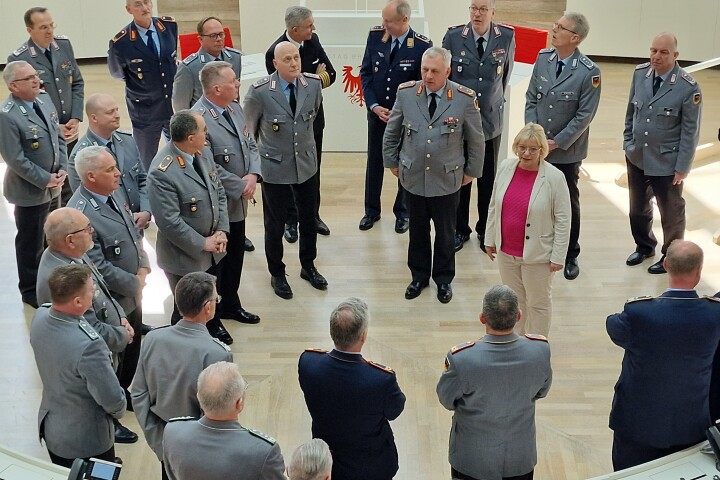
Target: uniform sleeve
<point>393,135</point>
<point>449,387</point>
<point>78,88</point>
<point>531,100</point>
<point>560,218</point>
<point>143,401</point>
<point>629,116</point>
<point>73,176</point>
<point>619,328</point>
<point>232,184</point>
<point>95,367</point>
<point>274,466</point>
<point>254,160</point>
<point>394,399</point>
<point>142,185</point>
<point>587,107</point>
<point>183,86</point>
<point>689,130</point>
<point>253,113</point>
<point>329,76</point>
<point>115,62</point>
<point>12,152</point>
<point>475,140</point>
<point>366,78</point>
<point>545,388</point>
<point>116,337</point>
<point>510,62</point>
<point>117,279</point>
<point>224,218</point>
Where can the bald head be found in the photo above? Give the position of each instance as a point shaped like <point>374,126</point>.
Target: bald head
<point>287,61</point>
<point>663,52</point>
<point>103,114</point>
<point>60,223</point>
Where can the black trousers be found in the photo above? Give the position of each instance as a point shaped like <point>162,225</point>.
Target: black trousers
<point>461,476</point>
<point>669,201</point>
<point>375,170</point>
<point>173,281</point>
<point>627,453</point>
<point>147,138</point>
<point>292,217</point>
<point>276,200</point>
<point>422,261</point>
<point>67,462</point>
<point>572,175</point>
<point>484,191</point>
<point>230,267</point>
<point>128,359</point>
<point>29,245</point>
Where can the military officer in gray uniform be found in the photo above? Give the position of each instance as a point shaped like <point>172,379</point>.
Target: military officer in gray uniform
<point>236,159</point>
<point>190,207</point>
<point>217,447</point>
<point>81,394</point>
<point>423,146</point>
<point>104,121</point>
<point>187,88</point>
<point>491,385</point>
<point>662,128</point>
<point>563,96</point>
<point>280,110</point>
<point>482,59</point>
<point>32,145</point>
<point>156,396</point>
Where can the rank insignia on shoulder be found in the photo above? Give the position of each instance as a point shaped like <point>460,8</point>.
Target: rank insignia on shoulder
<point>547,50</point>
<point>191,58</point>
<point>638,299</point>
<point>316,350</point>
<point>696,98</point>
<point>596,81</point>
<point>456,26</point>
<point>261,82</point>
<point>167,18</point>
<point>165,163</point>
<point>20,49</point>
<point>311,75</point>
<point>505,25</point>
<point>461,347</point>
<point>221,344</point>
<point>409,84</point>
<point>80,205</point>
<point>263,436</point>
<point>688,78</point>
<point>587,62</point>
<point>377,28</point>
<point>642,65</point>
<point>88,330</point>
<point>533,336</point>
<point>422,38</point>
<point>61,37</point>
<point>181,161</point>
<point>233,50</point>
<point>182,419</point>
<point>380,367</point>
<point>467,91</point>
<point>119,35</point>
<point>7,107</point>
<point>712,299</point>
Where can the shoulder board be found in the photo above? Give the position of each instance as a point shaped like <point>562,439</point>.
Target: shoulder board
<point>377,28</point>
<point>642,65</point>
<point>124,132</point>
<point>638,299</point>
<point>261,82</point>
<point>688,78</point>
<point>587,62</point>
<point>422,37</point>
<point>168,18</point>
<point>381,367</point>
<point>409,84</point>
<point>119,35</point>
<point>20,49</point>
<point>546,50</point>
<point>181,419</point>
<point>88,330</point>
<point>8,106</point>
<point>711,298</point>
<point>190,58</point>
<point>316,350</point>
<point>461,347</point>
<point>506,26</point>
<point>457,26</point>
<point>46,305</point>
<point>165,163</point>
<point>234,50</point>
<point>311,75</point>
<point>262,436</point>
<point>467,91</point>
<point>61,37</point>
<point>80,205</point>
<point>533,336</point>
<point>221,344</point>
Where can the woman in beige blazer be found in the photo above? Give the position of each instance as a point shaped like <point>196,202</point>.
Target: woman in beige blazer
<point>528,227</point>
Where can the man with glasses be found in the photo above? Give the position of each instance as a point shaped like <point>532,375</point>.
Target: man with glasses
<point>33,147</point>
<point>482,59</point>
<point>563,96</point>
<point>172,357</point>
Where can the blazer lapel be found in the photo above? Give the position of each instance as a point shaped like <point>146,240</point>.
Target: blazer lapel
<point>422,102</point>
<point>41,58</point>
<point>470,44</point>
<point>301,96</point>
<point>442,104</point>
<point>539,183</point>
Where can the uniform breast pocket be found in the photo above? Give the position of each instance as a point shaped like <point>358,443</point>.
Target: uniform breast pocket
<point>567,102</point>
<point>459,64</point>
<point>450,134</point>
<point>308,116</point>
<point>271,154</point>
<point>113,247</point>
<point>223,154</point>
<point>667,118</point>
<point>192,205</point>
<point>275,123</point>
<point>34,137</point>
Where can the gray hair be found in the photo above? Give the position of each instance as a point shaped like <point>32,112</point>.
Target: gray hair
<point>402,8</point>
<point>183,124</point>
<point>88,160</point>
<point>438,52</point>
<point>310,461</point>
<point>295,15</point>
<point>348,322</point>
<point>193,291</point>
<point>59,224</point>
<point>210,74</point>
<point>219,386</point>
<point>500,307</point>
<point>580,24</point>
<point>9,74</point>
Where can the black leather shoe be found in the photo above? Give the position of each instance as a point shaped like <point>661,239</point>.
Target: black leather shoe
<point>367,222</point>
<point>481,239</point>
<point>402,225</point>
<point>291,233</point>
<point>145,329</point>
<point>30,300</point>
<point>241,315</point>
<point>313,276</point>
<point>128,401</point>
<point>124,434</point>
<point>322,228</point>
<point>415,288</point>
<point>219,332</point>
<point>572,270</point>
<point>281,287</point>
<point>248,246</point>
<point>636,258</point>
<point>657,267</point>
<point>460,239</point>
<point>444,293</point>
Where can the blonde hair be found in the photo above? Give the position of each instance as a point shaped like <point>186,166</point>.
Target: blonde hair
<point>535,133</point>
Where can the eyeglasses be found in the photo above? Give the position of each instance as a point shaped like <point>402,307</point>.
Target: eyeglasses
<point>89,228</point>
<point>45,28</point>
<point>215,36</point>
<point>474,10</point>
<point>557,26</point>
<point>217,300</point>
<point>530,150</point>
<point>34,76</point>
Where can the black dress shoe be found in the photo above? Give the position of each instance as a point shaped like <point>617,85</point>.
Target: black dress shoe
<point>402,225</point>
<point>313,276</point>
<point>460,239</point>
<point>322,228</point>
<point>636,258</point>
<point>30,300</point>
<point>415,288</point>
<point>444,293</point>
<point>124,434</point>
<point>291,233</point>
<point>241,315</point>
<point>657,267</point>
<point>572,270</point>
<point>219,332</point>
<point>248,246</point>
<point>128,401</point>
<point>145,329</point>
<point>367,222</point>
<point>281,287</point>
<point>481,239</point>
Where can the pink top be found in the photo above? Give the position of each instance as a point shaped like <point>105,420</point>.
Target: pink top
<point>514,211</point>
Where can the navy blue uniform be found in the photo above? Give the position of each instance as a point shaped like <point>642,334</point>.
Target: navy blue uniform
<point>148,81</point>
<point>380,81</point>
<point>661,402</point>
<point>351,402</point>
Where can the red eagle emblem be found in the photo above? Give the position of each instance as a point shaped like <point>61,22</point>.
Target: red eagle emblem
<point>353,86</point>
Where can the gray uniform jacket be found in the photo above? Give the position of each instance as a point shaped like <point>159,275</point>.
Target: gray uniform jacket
<point>32,150</point>
<point>234,151</point>
<point>221,450</point>
<point>662,131</point>
<point>488,75</point>
<point>81,393</point>
<point>492,385</point>
<point>165,384</point>
<point>106,312</point>
<point>566,105</point>
<point>286,142</point>
<point>429,151</point>
<point>133,177</point>
<point>187,209</point>
<point>62,80</point>
<point>186,87</point>
<point>118,250</point>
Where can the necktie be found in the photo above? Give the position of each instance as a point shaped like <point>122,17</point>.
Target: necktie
<point>559,70</point>
<point>151,43</point>
<point>39,112</point>
<point>394,49</point>
<point>109,146</point>
<point>48,55</point>
<point>227,116</point>
<point>112,204</point>
<point>293,100</point>
<point>480,46</point>
<point>198,169</point>
<point>433,104</point>
<point>656,85</point>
